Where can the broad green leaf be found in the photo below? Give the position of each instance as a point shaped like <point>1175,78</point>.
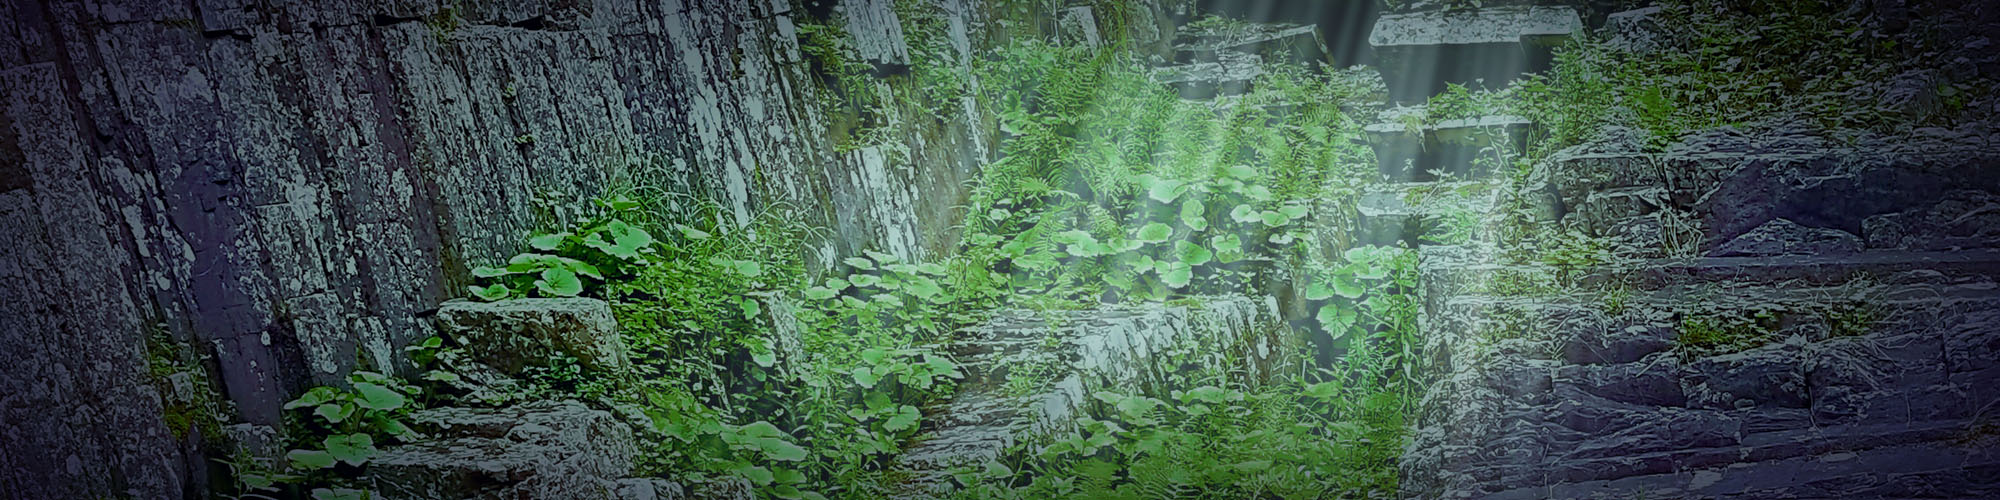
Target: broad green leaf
<point>310,459</point>
<point>759,429</point>
<point>766,359</point>
<point>1192,254</point>
<point>1272,218</point>
<point>906,417</point>
<point>757,475</point>
<point>931,269</point>
<point>1336,318</point>
<point>490,293</point>
<point>547,242</point>
<point>865,280</point>
<point>314,397</point>
<point>1192,214</point>
<point>691,233</point>
<point>1177,276</point>
<point>1294,211</point>
<point>559,282</point>
<point>1323,390</point>
<point>1243,213</point>
<point>1244,172</point>
<point>489,272</point>
<point>874,355</point>
<point>865,376</point>
<point>860,263</point>
<point>786,491</point>
<point>779,449</point>
<point>751,309</point>
<point>1155,232</point>
<point>749,269</point>
<point>355,449</point>
<point>788,476</point>
<point>1165,191</point>
<point>837,284</point>
<point>1318,291</point>
<point>882,257</point>
<point>1074,237</point>
<point>376,397</point>
<point>1345,286</point>
<point>334,413</point>
<point>820,293</point>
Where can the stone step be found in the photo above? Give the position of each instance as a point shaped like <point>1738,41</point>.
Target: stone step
<point>1405,212</point>
<point>1230,74</point>
<point>1276,42</point>
<point>1844,381</point>
<point>1449,148</point>
<point>1029,375</point>
<point>1419,52</point>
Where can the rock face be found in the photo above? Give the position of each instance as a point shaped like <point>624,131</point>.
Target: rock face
<point>509,334</point>
<point>1419,52</point>
<point>284,184</point>
<point>1029,376</point>
<point>547,450</point>
<point>1560,397</point>
<point>1823,339</point>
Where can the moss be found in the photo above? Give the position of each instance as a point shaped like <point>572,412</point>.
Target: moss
<point>183,411</point>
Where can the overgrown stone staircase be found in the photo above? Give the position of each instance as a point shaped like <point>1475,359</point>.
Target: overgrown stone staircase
<point>1030,375</point>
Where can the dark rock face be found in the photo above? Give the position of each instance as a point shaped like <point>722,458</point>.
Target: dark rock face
<point>285,184</point>
<point>1831,345</point>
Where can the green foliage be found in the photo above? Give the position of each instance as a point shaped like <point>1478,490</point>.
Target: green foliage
<point>1112,187</point>
<point>1725,63</point>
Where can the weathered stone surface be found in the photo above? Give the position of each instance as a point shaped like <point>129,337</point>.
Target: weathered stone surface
<point>1404,212</point>
<point>1078,26</point>
<point>1884,408</point>
<point>285,184</point>
<point>77,413</point>
<point>546,450</point>
<point>1448,149</point>
<point>1274,42</point>
<point>1784,237</point>
<point>1230,74</point>
<point>511,334</point>
<point>1419,52</point>
<point>1636,31</point>
<point>1029,376</point>
<point>1962,219</point>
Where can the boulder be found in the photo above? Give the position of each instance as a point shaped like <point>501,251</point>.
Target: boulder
<point>551,450</point>
<point>510,334</point>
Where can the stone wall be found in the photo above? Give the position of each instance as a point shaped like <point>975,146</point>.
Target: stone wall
<point>280,185</point>
<point>1825,332</point>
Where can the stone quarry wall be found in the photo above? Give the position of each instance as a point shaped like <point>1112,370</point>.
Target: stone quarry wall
<point>1830,335</point>
<point>264,189</point>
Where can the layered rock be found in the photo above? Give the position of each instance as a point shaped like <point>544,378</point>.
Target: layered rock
<point>284,184</point>
<point>1029,376</point>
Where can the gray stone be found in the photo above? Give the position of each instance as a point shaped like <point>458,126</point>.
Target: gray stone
<point>1230,74</point>
<point>1784,237</point>
<point>1282,43</point>
<point>1962,219</point>
<point>544,451</point>
<point>1129,349</point>
<point>1419,52</point>
<point>511,334</point>
<point>1078,26</point>
<point>1637,31</point>
<point>1448,149</point>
